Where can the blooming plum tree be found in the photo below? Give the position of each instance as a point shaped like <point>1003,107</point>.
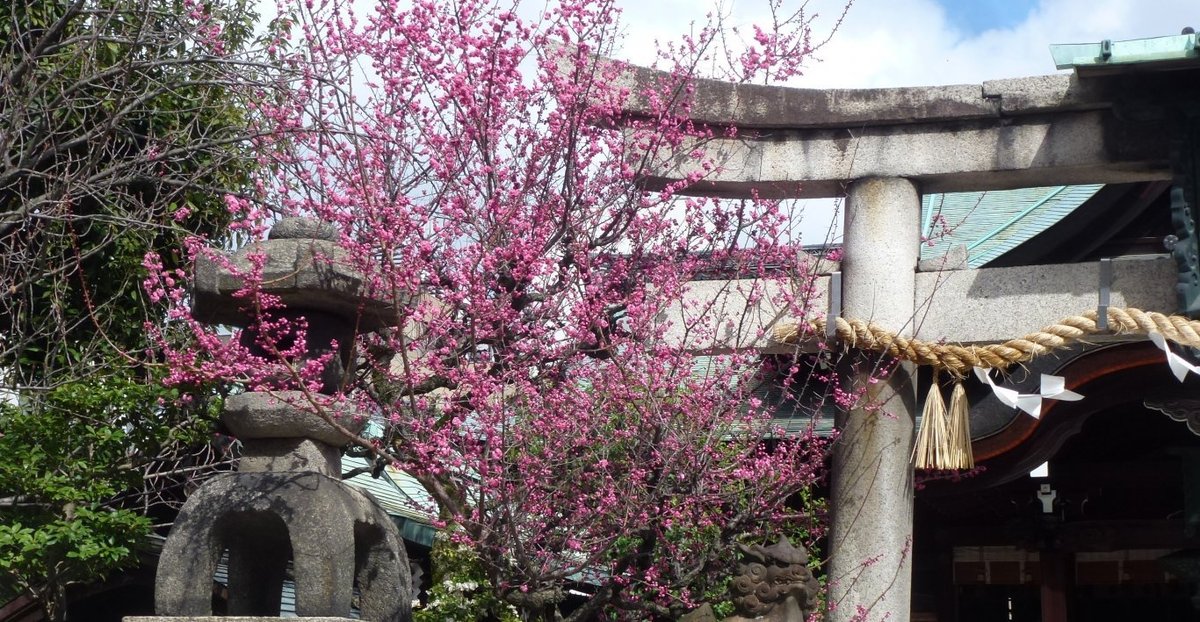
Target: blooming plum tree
<point>541,380</point>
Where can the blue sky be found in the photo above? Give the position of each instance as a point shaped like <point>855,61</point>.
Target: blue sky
<point>973,17</point>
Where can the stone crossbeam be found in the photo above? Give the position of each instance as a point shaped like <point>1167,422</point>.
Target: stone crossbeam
<point>1003,134</point>
<point>754,106</point>
<point>985,305</point>
<point>1067,148</point>
<point>721,316</point>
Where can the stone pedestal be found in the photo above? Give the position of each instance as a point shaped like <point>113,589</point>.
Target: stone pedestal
<point>337,537</point>
<point>871,485</point>
<point>287,501</point>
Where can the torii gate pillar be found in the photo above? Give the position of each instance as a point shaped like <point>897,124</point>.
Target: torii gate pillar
<point>872,490</point>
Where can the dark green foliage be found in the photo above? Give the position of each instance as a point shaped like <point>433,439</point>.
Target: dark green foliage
<point>60,525</point>
<point>120,133</point>
<point>122,126</point>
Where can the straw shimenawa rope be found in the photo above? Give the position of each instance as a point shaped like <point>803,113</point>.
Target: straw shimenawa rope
<point>959,359</point>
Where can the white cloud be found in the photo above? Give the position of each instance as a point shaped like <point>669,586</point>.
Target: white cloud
<point>910,42</point>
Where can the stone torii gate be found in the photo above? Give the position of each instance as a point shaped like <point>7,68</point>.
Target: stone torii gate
<point>1129,113</point>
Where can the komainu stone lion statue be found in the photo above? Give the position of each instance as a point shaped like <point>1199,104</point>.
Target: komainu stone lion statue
<point>773,584</point>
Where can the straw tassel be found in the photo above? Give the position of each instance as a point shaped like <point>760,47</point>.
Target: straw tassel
<point>933,442</point>
<point>961,456</point>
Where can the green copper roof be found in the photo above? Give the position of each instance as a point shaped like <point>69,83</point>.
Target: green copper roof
<point>1105,53</point>
<point>401,496</point>
<point>397,493</point>
<point>991,223</point>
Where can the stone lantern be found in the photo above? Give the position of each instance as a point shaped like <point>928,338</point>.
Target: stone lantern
<point>287,502</point>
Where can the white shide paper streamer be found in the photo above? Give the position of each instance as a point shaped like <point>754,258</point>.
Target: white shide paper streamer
<point>1052,388</point>
<point>1179,366</point>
